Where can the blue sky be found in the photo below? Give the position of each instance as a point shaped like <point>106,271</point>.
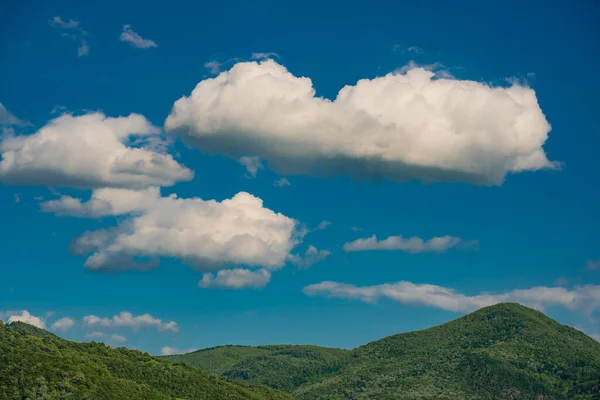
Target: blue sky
<point>516,215</point>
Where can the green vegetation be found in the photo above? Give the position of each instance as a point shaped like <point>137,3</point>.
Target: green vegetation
<point>505,351</point>
<point>36,364</point>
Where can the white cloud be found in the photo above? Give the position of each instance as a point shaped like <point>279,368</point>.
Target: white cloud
<point>213,66</point>
<point>416,50</point>
<point>262,56</point>
<point>26,317</point>
<point>89,151</point>
<point>311,257</point>
<point>252,165</point>
<point>168,351</point>
<point>73,31</point>
<point>410,245</point>
<point>59,23</point>
<point>7,118</point>
<point>133,38</point>
<point>323,225</point>
<point>282,182</point>
<point>126,319</point>
<point>107,201</point>
<point>204,233</point>
<point>585,298</point>
<point>398,126</point>
<point>63,324</point>
<point>237,278</point>
<point>17,198</point>
<point>593,265</point>
<point>110,338</point>
<point>596,337</point>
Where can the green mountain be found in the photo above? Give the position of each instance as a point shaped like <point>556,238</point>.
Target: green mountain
<point>36,364</point>
<point>506,351</point>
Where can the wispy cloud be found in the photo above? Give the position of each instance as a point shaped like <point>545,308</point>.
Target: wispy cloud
<point>281,182</point>
<point>8,119</point>
<point>262,56</point>
<point>585,299</point>
<point>415,49</point>
<point>128,320</point>
<point>213,66</point>
<point>71,29</point>
<point>593,265</point>
<point>133,38</point>
<point>411,244</point>
<point>310,257</point>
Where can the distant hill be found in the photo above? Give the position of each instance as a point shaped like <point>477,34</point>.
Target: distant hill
<point>36,364</point>
<point>506,351</point>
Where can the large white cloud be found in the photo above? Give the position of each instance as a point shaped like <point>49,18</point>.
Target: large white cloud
<point>126,319</point>
<point>90,151</point>
<point>582,298</point>
<point>410,245</point>
<point>400,126</point>
<point>204,233</point>
<point>237,278</point>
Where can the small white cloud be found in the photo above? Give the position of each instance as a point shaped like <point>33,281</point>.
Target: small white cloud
<point>63,324</point>
<point>356,228</point>
<point>593,265</point>
<point>323,225</point>
<point>133,38</point>
<point>281,182</point>
<point>252,165</point>
<point>262,56</point>
<point>17,198</point>
<point>311,257</point>
<point>27,318</point>
<point>585,299</point>
<point>416,50</point>
<point>410,245</point>
<point>59,23</point>
<point>213,66</point>
<point>126,319</point>
<point>238,278</point>
<point>109,338</point>
<point>167,351</point>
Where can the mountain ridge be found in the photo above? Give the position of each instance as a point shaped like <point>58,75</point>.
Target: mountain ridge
<point>504,351</point>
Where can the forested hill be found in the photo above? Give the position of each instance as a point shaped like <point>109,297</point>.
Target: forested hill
<point>506,351</point>
<point>36,364</point>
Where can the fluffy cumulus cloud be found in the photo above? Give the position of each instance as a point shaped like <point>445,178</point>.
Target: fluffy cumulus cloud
<point>24,316</point>
<point>133,38</point>
<point>90,151</point>
<point>411,244</point>
<point>63,324</point>
<point>237,278</point>
<point>127,320</point>
<point>585,298</point>
<point>206,234</point>
<point>401,126</point>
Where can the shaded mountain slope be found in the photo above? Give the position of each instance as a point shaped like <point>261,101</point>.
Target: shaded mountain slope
<point>506,351</point>
<point>36,364</point>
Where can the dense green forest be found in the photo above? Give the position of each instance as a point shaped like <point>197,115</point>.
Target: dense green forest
<point>36,364</point>
<point>505,351</point>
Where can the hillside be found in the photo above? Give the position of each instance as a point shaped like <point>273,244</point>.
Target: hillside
<point>506,351</point>
<point>36,364</point>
